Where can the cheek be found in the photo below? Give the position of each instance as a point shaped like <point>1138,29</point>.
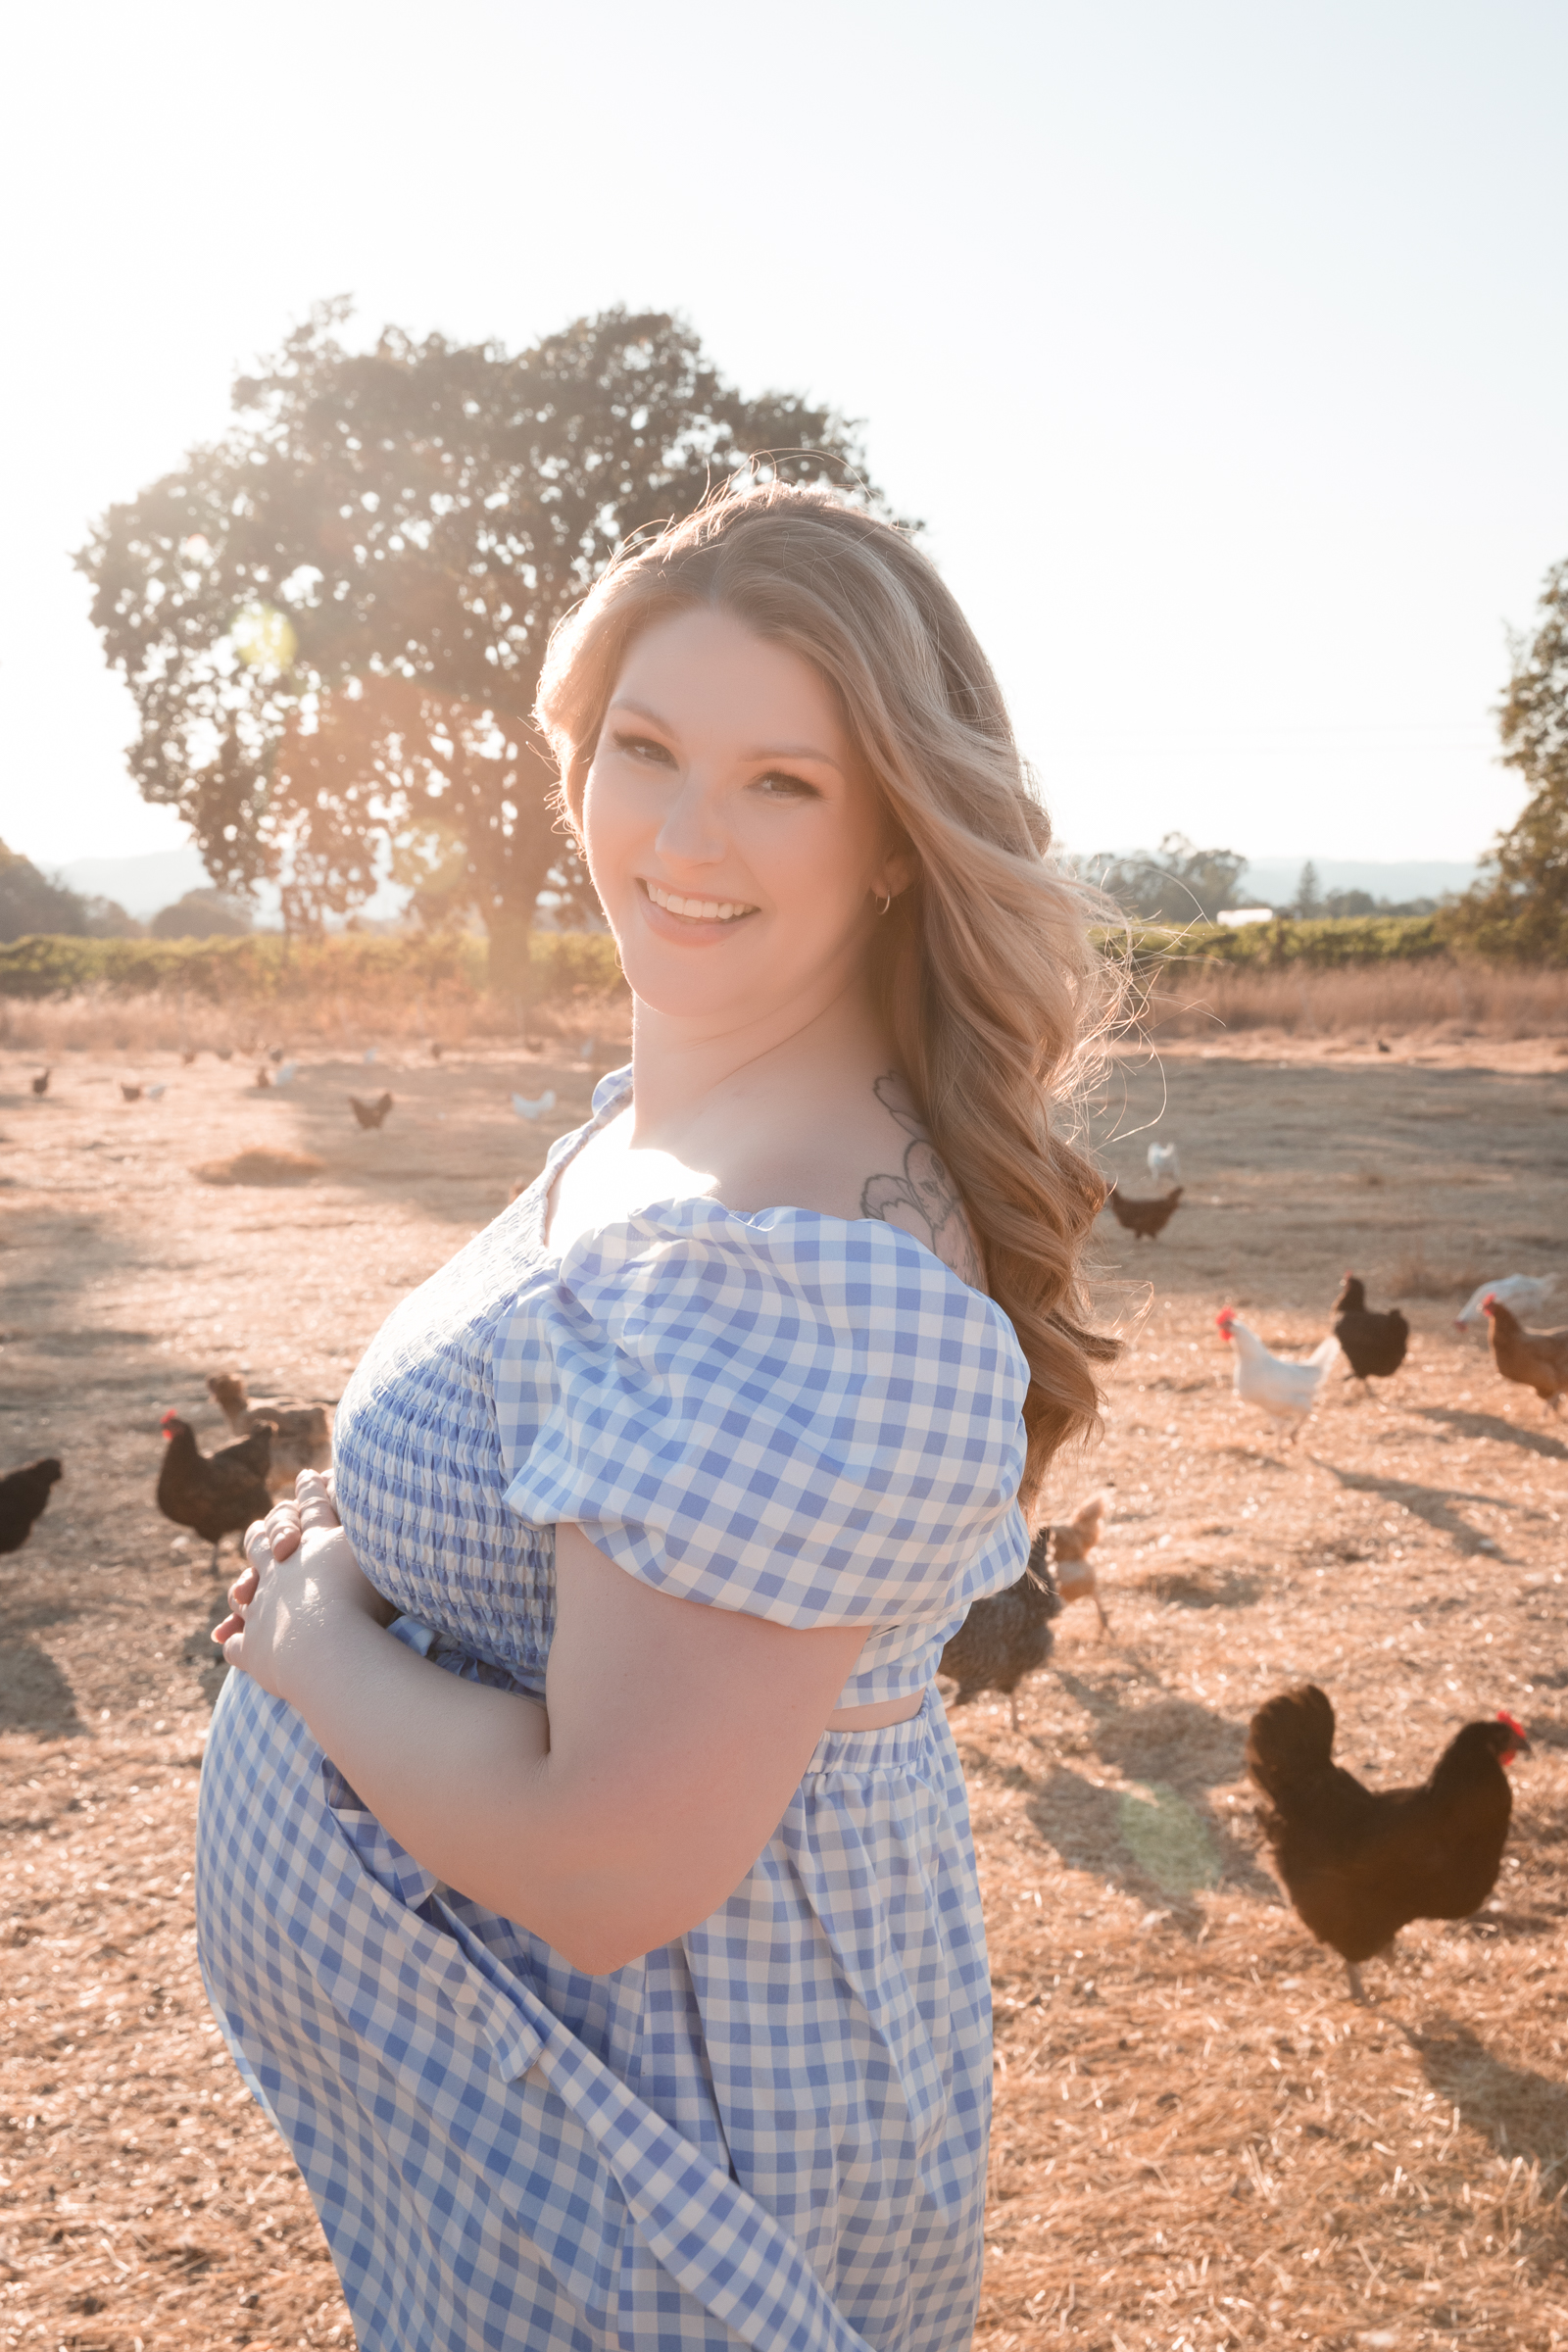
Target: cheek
<point>612,829</point>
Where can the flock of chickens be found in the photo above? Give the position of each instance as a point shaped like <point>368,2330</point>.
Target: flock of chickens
<point>1357,1864</point>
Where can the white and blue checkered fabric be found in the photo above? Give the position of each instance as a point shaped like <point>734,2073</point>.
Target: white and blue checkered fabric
<point>771,2131</point>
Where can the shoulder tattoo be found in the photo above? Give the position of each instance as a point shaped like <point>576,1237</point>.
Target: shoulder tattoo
<point>922,1197</point>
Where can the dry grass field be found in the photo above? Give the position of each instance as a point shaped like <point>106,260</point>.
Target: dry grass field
<point>1199,2141</point>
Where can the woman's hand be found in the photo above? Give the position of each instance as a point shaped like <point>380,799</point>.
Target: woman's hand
<point>302,1585</point>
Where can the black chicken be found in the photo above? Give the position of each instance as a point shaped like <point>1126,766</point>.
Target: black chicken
<point>1144,1219</point>
<point>216,1494</point>
<point>371,1114</point>
<point>1358,1864</point>
<point>1007,1636</point>
<point>1373,1344</point>
<point>23,1493</point>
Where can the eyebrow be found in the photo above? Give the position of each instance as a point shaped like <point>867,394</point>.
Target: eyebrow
<point>772,750</point>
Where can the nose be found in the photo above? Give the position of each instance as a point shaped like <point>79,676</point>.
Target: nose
<point>692,833</point>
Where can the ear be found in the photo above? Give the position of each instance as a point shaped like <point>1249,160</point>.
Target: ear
<point>897,868</point>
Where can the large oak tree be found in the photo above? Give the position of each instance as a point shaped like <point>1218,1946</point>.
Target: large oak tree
<point>332,619</point>
<point>1521,907</point>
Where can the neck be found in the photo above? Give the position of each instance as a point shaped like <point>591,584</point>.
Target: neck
<point>681,1063</point>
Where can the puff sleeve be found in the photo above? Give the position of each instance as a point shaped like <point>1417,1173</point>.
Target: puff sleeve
<point>785,1414</point>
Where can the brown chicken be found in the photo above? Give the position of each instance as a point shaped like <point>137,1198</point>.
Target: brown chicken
<point>301,1433</point>
<point>1007,1636</point>
<point>371,1114</point>
<point>1071,1565</point>
<point>40,1084</point>
<point>1374,1344</point>
<point>1536,1359</point>
<point>1357,1863</point>
<point>23,1493</point>
<point>1145,1220</point>
<point>215,1494</point>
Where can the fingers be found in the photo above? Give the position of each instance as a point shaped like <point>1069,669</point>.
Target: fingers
<point>313,1499</point>
<point>225,1631</point>
<point>284,1529</point>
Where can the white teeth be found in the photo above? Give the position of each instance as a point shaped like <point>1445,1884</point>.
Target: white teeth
<point>703,910</point>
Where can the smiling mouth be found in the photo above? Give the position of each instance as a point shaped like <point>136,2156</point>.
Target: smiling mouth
<point>696,910</point>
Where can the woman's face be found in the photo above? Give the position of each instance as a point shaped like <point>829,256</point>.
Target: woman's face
<point>733,836</point>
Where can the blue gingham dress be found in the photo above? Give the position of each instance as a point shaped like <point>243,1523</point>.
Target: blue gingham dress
<point>771,2131</point>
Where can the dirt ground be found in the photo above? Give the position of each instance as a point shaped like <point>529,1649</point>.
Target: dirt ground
<point>1199,2141</point>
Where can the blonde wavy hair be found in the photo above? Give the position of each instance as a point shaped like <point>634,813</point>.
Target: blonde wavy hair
<point>987,981</point>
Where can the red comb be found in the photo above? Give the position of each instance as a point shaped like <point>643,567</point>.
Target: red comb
<point>1513,1721</point>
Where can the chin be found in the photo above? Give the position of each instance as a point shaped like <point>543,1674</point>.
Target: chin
<point>686,995</point>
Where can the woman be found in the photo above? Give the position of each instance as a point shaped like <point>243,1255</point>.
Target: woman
<point>655,2014</point>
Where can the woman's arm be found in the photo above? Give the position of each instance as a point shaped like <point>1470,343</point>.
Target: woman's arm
<point>674,1738</point>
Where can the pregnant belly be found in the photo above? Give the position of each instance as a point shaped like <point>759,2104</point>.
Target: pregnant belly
<point>261,1818</point>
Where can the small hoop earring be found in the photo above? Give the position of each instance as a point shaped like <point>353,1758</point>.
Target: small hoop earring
<point>883,903</point>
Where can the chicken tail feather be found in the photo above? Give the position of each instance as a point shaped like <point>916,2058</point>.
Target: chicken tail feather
<point>1291,1740</point>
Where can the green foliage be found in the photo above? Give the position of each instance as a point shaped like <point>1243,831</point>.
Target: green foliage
<point>201,914</point>
<point>1519,911</point>
<point>1181,885</point>
<point>1321,946</point>
<point>268,968</point>
<point>333,621</point>
<point>29,903</point>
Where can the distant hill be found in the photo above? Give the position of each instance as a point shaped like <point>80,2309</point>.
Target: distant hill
<point>1272,881</point>
<point>141,885</point>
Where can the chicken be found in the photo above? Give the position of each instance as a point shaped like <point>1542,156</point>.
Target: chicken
<point>40,1084</point>
<point>216,1494</point>
<point>1285,1390</point>
<point>301,1432</point>
<point>1536,1359</point>
<point>23,1493</point>
<point>130,1094</point>
<point>1359,1862</point>
<point>1145,1219</point>
<point>1007,1636</point>
<point>1373,1344</point>
<point>535,1108</point>
<point>1164,1163</point>
<point>371,1114</point>
<point>1071,1565</point>
<point>1524,1293</point>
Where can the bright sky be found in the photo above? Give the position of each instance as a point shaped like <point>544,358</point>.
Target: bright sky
<point>1222,347</point>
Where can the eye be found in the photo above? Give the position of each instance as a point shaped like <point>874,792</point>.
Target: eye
<point>779,785</point>
<point>643,747</point>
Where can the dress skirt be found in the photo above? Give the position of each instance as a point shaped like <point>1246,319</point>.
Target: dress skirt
<point>771,2131</point>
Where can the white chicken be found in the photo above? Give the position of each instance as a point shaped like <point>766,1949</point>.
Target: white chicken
<point>1523,1293</point>
<point>1165,1161</point>
<point>1275,1384</point>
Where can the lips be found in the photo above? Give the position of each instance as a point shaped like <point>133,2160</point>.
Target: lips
<point>696,910</point>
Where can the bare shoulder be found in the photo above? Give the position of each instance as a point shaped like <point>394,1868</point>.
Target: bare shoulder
<point>852,1149</point>
<point>916,1192</point>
